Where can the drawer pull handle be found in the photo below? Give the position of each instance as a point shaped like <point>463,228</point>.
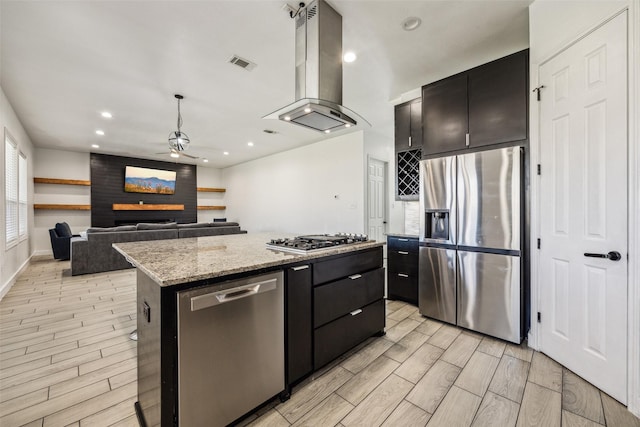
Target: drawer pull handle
<point>403,240</point>
<point>356,312</point>
<point>403,275</point>
<point>355,276</point>
<point>403,252</point>
<point>300,267</point>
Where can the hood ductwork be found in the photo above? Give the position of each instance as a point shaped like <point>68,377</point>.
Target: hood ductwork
<point>318,85</point>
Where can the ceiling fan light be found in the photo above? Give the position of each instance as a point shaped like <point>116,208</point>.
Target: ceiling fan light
<point>174,155</point>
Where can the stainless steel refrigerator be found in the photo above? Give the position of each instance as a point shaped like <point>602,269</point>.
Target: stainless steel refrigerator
<point>471,241</point>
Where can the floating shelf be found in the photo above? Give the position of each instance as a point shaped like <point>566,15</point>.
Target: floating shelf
<point>146,207</point>
<point>62,207</point>
<point>61,181</point>
<point>210,190</point>
<point>211,208</point>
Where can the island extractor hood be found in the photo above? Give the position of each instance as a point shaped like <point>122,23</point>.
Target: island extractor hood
<point>318,73</point>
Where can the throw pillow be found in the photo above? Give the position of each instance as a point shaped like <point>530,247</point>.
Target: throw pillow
<point>63,229</point>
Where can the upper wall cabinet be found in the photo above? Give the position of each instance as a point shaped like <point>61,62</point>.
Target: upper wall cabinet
<point>408,125</point>
<point>445,115</point>
<point>483,106</point>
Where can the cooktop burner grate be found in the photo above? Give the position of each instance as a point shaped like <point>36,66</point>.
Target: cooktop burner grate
<point>310,243</point>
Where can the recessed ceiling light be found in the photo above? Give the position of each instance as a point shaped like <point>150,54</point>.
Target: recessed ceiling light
<point>106,114</point>
<point>327,131</point>
<point>95,146</point>
<point>349,57</point>
<point>226,153</point>
<point>100,132</point>
<point>205,160</point>
<point>175,155</point>
<point>287,118</point>
<point>250,144</point>
<point>347,125</point>
<point>411,23</point>
<point>307,110</point>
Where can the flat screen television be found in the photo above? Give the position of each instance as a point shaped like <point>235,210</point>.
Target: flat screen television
<point>143,180</point>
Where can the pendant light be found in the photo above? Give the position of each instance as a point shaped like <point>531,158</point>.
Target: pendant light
<point>179,140</point>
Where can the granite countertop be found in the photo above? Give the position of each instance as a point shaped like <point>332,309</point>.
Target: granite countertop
<point>175,261</point>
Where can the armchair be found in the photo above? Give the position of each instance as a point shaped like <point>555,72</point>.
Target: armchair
<point>60,241</point>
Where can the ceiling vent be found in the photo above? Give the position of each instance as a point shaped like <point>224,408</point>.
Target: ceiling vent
<point>242,63</point>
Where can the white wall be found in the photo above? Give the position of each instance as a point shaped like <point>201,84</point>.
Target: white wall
<point>317,188</point>
<point>16,258</point>
<point>553,25</point>
<point>65,165</point>
<point>212,178</point>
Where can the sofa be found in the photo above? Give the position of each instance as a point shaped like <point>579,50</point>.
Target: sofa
<point>93,253</point>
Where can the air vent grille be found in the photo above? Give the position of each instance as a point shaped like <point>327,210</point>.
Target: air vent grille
<point>242,63</point>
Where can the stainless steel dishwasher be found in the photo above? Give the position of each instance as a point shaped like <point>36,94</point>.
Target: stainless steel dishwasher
<point>230,349</point>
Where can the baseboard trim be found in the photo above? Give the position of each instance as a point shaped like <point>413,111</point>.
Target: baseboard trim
<point>12,280</point>
<point>42,252</point>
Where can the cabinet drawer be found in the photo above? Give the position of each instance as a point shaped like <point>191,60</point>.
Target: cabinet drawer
<point>337,268</point>
<point>403,268</point>
<point>338,298</point>
<point>404,244</point>
<point>403,286</point>
<point>333,339</point>
<point>404,258</point>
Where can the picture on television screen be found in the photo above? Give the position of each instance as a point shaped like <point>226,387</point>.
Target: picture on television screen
<point>143,180</point>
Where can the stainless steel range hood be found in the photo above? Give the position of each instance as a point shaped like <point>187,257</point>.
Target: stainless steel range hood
<point>319,73</point>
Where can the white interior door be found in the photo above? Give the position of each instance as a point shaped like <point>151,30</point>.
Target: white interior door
<point>377,200</point>
<point>583,207</point>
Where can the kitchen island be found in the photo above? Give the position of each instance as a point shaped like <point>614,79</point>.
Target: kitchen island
<point>212,309</point>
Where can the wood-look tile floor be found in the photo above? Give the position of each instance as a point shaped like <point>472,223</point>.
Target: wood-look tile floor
<point>66,360</point>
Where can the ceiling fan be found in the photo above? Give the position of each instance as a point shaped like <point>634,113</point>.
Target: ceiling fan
<point>178,140</point>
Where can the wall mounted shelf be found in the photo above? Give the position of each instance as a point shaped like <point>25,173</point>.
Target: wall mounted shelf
<point>210,190</point>
<point>211,208</point>
<point>61,181</point>
<point>146,207</point>
<point>59,207</point>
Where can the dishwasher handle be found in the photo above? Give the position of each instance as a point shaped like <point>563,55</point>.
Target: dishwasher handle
<point>220,297</point>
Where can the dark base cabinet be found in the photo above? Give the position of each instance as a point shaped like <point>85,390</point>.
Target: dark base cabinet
<point>333,339</point>
<point>348,303</point>
<point>345,292</point>
<point>402,268</point>
<point>299,327</point>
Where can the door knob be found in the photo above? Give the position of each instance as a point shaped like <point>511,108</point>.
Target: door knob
<point>613,255</point>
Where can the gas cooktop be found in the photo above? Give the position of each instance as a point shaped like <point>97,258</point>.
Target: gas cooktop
<point>314,243</point>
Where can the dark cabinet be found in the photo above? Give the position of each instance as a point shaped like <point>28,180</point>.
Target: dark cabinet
<point>408,144</point>
<point>408,125</point>
<point>333,339</point>
<point>498,101</point>
<point>348,305</point>
<point>299,322</point>
<point>402,268</point>
<point>445,115</point>
<point>483,106</point>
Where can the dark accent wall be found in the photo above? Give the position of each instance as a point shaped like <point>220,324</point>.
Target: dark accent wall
<point>107,188</point>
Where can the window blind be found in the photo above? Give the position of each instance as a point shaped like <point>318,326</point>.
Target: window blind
<point>22,195</point>
<point>11,189</point>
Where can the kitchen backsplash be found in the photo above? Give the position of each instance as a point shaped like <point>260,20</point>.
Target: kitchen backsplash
<point>412,218</point>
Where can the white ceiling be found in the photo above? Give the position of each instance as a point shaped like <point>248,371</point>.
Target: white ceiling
<point>64,62</point>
